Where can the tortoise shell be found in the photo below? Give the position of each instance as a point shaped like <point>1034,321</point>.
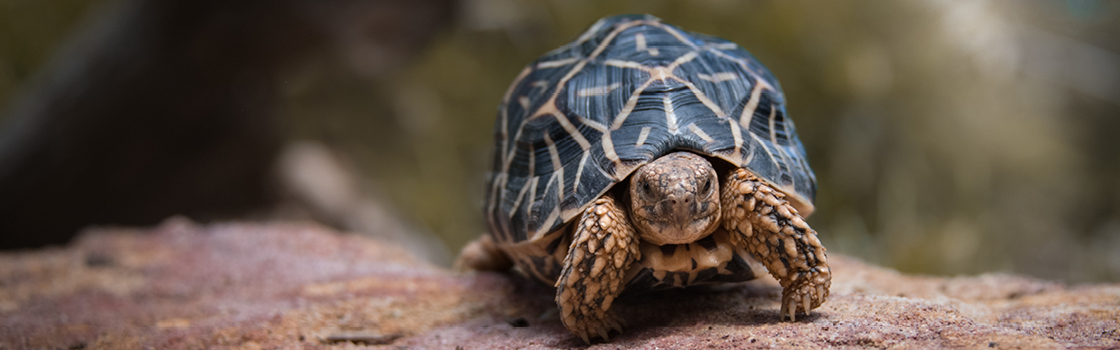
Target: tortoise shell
<point>581,118</point>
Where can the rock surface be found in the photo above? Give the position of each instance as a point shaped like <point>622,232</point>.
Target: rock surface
<point>267,286</point>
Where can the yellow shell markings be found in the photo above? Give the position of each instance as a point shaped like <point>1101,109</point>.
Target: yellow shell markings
<point>700,132</point>
<point>598,90</point>
<point>752,104</point>
<point>642,136</point>
<point>737,134</point>
<point>718,77</point>
<point>670,115</point>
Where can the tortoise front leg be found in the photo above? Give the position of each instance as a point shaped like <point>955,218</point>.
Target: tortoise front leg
<point>762,221</point>
<point>603,246</point>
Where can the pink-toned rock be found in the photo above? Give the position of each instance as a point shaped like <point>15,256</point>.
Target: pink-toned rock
<point>266,286</point>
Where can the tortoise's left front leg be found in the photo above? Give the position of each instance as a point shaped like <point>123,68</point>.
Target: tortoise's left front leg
<point>762,221</point>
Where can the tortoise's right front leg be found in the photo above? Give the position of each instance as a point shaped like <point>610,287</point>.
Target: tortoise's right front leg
<point>603,246</point>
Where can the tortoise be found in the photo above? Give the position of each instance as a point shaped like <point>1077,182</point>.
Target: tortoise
<point>643,157</point>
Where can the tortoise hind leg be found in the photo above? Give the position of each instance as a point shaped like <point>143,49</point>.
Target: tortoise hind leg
<point>482,254</point>
<point>762,221</point>
<point>603,247</point>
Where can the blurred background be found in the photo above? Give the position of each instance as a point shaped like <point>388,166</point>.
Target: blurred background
<point>948,137</point>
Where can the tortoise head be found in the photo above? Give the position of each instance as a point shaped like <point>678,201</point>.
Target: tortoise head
<point>675,199</point>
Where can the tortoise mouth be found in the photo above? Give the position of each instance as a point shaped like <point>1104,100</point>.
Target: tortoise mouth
<point>671,232</point>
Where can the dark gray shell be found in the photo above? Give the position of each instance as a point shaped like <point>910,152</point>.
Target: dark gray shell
<point>631,89</point>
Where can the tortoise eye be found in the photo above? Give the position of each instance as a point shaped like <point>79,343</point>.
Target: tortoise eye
<point>707,186</point>
<point>646,189</point>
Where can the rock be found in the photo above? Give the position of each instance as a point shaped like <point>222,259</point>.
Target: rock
<point>263,286</point>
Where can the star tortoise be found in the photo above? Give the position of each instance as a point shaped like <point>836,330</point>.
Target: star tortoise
<point>642,157</point>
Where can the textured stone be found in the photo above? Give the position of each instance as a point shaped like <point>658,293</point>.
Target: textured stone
<point>265,286</point>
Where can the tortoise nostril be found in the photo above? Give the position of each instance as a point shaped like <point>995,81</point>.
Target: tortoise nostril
<point>686,201</point>
<point>673,201</point>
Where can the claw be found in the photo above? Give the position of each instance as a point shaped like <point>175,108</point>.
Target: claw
<point>583,335</point>
<point>792,310</point>
<point>805,303</point>
<point>603,333</point>
<point>615,324</point>
<point>782,312</point>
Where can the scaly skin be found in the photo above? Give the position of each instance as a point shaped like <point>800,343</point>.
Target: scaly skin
<point>602,250</point>
<point>761,220</point>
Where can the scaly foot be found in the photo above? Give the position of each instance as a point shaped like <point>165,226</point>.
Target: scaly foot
<point>603,247</point>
